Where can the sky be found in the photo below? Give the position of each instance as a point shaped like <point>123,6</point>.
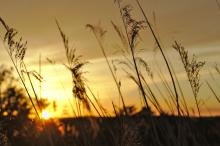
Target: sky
<point>193,23</point>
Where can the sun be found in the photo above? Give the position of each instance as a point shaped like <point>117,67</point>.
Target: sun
<point>46,115</point>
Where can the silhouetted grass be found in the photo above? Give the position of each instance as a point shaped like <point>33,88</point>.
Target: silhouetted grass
<point>192,68</point>
<point>127,127</point>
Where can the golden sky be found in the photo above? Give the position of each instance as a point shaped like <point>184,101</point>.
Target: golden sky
<point>194,23</point>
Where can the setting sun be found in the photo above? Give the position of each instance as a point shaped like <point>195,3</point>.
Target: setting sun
<point>46,115</point>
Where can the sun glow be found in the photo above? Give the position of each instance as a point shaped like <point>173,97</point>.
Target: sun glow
<point>46,115</point>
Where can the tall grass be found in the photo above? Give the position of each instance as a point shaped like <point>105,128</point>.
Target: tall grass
<point>130,130</point>
<point>214,93</point>
<point>99,35</point>
<point>163,54</point>
<point>132,28</point>
<point>192,68</point>
<point>75,66</point>
<point>16,49</point>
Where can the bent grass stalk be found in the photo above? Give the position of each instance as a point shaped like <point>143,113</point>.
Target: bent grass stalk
<point>10,33</point>
<point>164,56</point>
<point>32,86</point>
<point>131,39</point>
<point>99,33</point>
<point>102,109</point>
<point>214,93</point>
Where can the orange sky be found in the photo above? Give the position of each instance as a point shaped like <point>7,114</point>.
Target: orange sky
<point>194,23</point>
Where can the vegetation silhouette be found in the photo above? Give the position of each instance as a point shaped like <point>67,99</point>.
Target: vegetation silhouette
<point>14,108</point>
<point>16,125</point>
<point>152,125</point>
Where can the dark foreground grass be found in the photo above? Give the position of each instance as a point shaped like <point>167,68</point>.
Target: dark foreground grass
<point>137,130</point>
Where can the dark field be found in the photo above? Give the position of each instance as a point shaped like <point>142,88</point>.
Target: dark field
<point>139,129</point>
